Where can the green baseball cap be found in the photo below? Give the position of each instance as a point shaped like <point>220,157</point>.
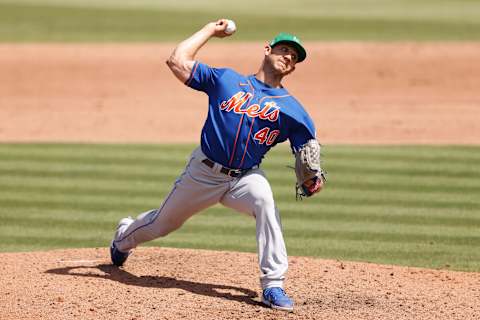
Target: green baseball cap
<point>292,40</point>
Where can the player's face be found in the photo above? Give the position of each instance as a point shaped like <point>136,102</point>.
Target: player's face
<point>282,58</point>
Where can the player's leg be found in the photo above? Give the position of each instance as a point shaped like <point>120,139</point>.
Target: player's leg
<point>196,189</point>
<point>252,195</point>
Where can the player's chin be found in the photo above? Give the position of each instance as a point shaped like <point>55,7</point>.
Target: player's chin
<point>284,70</point>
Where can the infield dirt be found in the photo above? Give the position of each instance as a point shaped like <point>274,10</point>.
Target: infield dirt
<point>356,93</point>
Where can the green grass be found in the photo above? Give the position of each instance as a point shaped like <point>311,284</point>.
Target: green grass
<point>148,20</point>
<point>406,205</point>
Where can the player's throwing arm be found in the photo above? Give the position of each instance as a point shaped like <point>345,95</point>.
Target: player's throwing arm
<point>181,61</point>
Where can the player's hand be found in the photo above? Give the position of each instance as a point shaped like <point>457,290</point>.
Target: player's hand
<point>314,185</point>
<point>218,28</point>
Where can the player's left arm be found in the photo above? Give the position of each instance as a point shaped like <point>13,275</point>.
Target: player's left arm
<point>181,61</point>
<point>306,148</point>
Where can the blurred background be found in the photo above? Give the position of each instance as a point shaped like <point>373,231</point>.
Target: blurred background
<point>93,127</point>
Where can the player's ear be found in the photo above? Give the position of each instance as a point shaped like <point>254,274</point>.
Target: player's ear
<point>267,50</point>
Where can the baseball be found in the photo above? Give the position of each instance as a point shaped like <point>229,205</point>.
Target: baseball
<point>231,27</point>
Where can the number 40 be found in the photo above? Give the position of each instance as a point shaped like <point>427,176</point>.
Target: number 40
<point>265,136</point>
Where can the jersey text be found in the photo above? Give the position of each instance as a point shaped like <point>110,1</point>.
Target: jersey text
<point>270,111</point>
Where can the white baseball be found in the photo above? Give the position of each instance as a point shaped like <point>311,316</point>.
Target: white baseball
<point>231,27</point>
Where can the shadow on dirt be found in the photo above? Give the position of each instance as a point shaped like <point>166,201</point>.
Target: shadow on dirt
<point>116,274</point>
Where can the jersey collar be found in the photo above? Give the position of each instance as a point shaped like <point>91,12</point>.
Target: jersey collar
<point>260,85</point>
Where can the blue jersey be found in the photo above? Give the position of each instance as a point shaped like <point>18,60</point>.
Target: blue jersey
<point>247,117</point>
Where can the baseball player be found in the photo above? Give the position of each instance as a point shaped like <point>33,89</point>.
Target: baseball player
<point>247,116</point>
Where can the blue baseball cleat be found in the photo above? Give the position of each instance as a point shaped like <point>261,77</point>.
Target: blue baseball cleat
<point>276,298</point>
<point>118,257</point>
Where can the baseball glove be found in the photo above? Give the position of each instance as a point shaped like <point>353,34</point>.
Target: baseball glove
<point>310,176</point>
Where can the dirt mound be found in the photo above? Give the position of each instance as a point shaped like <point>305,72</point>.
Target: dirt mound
<point>162,283</point>
<point>356,92</point>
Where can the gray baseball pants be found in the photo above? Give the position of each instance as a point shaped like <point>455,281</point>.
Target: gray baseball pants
<point>200,187</point>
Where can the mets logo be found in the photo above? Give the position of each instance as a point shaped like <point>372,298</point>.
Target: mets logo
<point>269,111</point>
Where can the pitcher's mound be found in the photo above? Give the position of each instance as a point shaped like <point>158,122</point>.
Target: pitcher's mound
<point>162,283</point>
